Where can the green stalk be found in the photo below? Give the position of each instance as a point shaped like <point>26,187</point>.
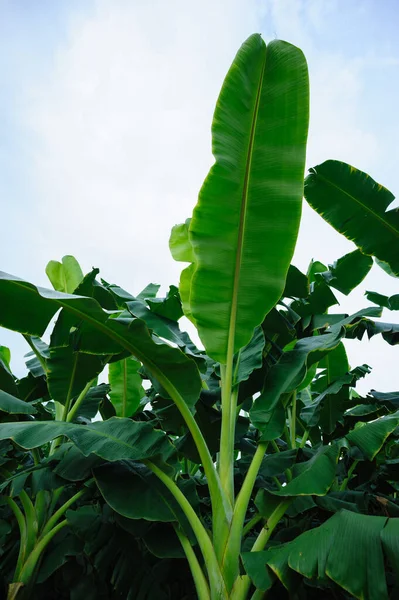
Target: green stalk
<point>36,553</point>
<point>258,595</point>
<point>293,421</point>
<point>59,513</point>
<point>71,414</point>
<point>304,438</point>
<point>216,580</point>
<point>32,525</point>
<point>201,584</point>
<point>69,393</point>
<point>254,521</point>
<point>243,583</point>
<point>221,508</point>
<point>230,562</point>
<point>226,465</point>
<point>347,479</point>
<point>22,533</point>
<point>270,525</point>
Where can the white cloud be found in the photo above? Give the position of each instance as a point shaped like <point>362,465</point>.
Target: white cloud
<point>121,130</point>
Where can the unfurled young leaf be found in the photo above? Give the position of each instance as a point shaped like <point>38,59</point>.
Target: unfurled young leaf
<point>244,227</point>
<point>64,276</point>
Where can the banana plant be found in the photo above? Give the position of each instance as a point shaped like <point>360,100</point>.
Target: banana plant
<point>246,467</point>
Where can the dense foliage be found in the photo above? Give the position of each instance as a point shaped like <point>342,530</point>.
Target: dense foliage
<point>137,466</point>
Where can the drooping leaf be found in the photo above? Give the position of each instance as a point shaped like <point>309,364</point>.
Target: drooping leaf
<point>99,332</point>
<point>135,492</point>
<point>315,476</point>
<point>14,406</point>
<point>386,397</point>
<point>370,437</point>
<point>356,206</point>
<point>348,271</point>
<point>349,549</point>
<point>7,380</point>
<point>392,303</point>
<point>289,372</point>
<point>64,276</point>
<point>169,307</point>
<point>244,227</point>
<point>115,439</point>
<point>126,386</point>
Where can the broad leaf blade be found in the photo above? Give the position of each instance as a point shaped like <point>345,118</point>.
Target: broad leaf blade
<point>115,439</point>
<point>126,389</point>
<point>99,333</point>
<point>356,206</point>
<point>245,225</point>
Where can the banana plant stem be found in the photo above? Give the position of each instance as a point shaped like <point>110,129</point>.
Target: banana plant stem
<point>35,555</point>
<point>58,514</point>
<point>293,421</point>
<point>216,580</point>
<point>347,479</point>
<point>22,534</point>
<point>230,563</point>
<point>32,524</point>
<point>226,443</point>
<point>254,521</point>
<point>243,583</point>
<point>201,584</point>
<point>72,412</point>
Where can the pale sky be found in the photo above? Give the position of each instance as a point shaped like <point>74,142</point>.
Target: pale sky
<point>105,113</point>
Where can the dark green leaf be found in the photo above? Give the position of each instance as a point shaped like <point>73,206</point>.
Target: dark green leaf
<point>115,439</point>
<point>356,206</point>
<point>348,271</point>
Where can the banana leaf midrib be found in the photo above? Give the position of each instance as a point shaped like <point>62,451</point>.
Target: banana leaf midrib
<point>244,203</point>
<point>367,208</point>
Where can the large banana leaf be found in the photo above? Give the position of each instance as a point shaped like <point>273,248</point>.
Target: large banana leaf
<point>115,439</point>
<point>349,549</point>
<point>244,227</point>
<point>356,206</point>
<point>370,437</point>
<point>28,309</point>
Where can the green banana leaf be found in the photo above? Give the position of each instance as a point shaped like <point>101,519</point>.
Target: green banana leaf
<point>29,309</point>
<point>348,271</point>
<point>349,549</point>
<point>115,439</point>
<point>356,206</point>
<point>126,389</point>
<point>244,227</point>
<point>64,276</point>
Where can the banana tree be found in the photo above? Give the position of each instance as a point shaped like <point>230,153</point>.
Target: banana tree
<point>233,456</point>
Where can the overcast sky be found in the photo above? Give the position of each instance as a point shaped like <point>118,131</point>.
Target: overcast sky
<point>105,113</point>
